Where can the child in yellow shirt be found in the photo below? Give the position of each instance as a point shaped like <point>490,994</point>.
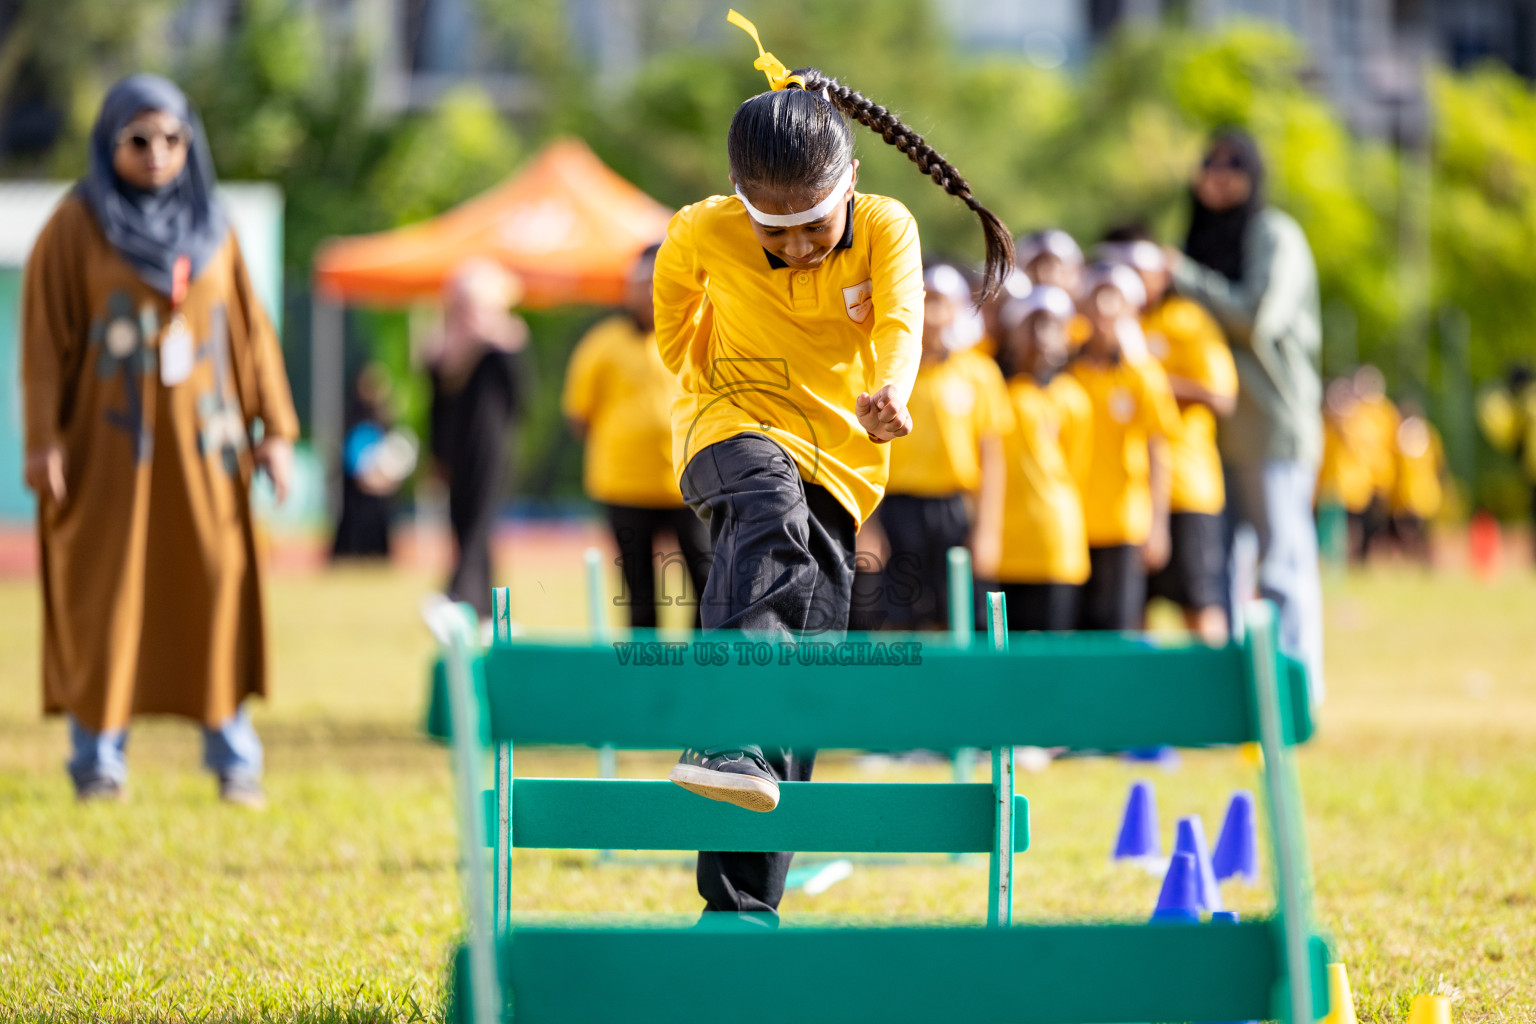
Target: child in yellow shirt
<point>946,481</point>
<point>618,397</point>
<point>1416,488</point>
<point>1132,408</point>
<point>1344,476</point>
<point>791,312</point>
<point>1189,344</point>
<point>1374,423</point>
<point>1044,558</point>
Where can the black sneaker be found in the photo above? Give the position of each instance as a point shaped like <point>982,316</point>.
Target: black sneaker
<point>736,776</point>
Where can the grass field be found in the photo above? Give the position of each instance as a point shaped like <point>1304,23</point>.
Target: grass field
<point>340,902</point>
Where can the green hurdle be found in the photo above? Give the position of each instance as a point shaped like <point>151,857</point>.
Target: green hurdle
<point>1103,692</point>
<point>962,628</point>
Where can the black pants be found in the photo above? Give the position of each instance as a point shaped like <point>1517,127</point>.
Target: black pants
<point>1116,592</point>
<point>782,568</point>
<point>472,515</point>
<point>1042,606</point>
<point>1374,526</point>
<point>867,609</point>
<point>1196,573</point>
<point>634,530</point>
<point>363,529</point>
<point>920,531</point>
<point>1412,536</point>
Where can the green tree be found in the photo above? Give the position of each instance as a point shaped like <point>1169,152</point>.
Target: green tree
<point>76,49</point>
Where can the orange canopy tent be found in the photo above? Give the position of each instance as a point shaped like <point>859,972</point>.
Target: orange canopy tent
<point>566,225</point>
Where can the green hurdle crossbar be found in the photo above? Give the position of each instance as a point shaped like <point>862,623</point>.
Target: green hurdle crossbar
<point>1105,692</point>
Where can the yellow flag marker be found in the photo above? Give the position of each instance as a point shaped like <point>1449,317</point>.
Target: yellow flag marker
<point>1430,1010</point>
<point>1341,1004</point>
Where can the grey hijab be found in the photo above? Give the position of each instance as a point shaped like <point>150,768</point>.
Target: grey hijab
<point>152,229</point>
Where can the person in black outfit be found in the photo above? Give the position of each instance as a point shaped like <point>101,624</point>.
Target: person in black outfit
<point>618,399</point>
<point>375,460</point>
<point>478,370</point>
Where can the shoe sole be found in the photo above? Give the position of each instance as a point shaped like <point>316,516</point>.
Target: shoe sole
<point>746,791</point>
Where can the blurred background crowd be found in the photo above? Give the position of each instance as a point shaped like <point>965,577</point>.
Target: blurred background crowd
<point>1399,135</point>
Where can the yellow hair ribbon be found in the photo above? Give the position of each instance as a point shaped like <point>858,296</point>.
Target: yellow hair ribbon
<point>778,75</point>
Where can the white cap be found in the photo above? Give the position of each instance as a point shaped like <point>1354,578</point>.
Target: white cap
<point>1017,284</point>
<point>948,281</point>
<point>1054,241</point>
<point>1141,254</point>
<point>1117,276</point>
<point>1045,298</point>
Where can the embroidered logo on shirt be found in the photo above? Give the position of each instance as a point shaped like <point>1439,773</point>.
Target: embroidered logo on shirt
<point>859,301</point>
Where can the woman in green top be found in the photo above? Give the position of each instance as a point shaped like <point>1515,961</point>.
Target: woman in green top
<point>1251,266</point>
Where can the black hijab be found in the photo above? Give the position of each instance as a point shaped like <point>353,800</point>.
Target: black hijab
<point>1215,237</point>
<point>151,229</point>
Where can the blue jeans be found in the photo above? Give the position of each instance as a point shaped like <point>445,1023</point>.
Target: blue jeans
<point>1272,551</point>
<point>232,749</point>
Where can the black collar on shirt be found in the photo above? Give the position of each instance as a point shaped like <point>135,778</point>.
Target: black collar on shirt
<point>846,242</point>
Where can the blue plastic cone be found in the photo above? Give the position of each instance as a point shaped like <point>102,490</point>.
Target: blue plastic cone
<point>1179,899</point>
<point>1190,839</point>
<point>1138,828</point>
<point>1237,848</point>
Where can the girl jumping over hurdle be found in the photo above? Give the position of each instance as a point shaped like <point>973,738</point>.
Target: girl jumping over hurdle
<point>792,313</point>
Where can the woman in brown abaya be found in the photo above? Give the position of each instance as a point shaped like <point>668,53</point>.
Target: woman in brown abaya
<point>154,387</point>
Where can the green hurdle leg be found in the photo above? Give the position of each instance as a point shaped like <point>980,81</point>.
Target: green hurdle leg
<point>466,699</point>
<point>501,615</point>
<point>1000,881</point>
<point>1292,870</point>
<point>597,622</point>
<point>961,625</point>
<point>961,630</point>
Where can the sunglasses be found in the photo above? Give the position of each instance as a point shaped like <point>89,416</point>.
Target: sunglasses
<point>1215,162</point>
<point>144,139</point>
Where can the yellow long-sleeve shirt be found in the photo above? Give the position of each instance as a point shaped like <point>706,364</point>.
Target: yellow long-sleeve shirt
<point>1189,344</point>
<point>1420,457</point>
<point>1376,421</point>
<point>959,400</point>
<point>1048,453</point>
<point>784,351</point>
<point>1344,476</point>
<point>617,386</point>
<point>1131,406</point>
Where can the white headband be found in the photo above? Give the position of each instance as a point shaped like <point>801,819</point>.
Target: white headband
<point>815,213</point>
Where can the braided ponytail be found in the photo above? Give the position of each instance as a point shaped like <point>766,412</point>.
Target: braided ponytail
<point>890,128</point>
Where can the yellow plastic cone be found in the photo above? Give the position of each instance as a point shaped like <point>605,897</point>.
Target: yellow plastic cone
<point>1430,1010</point>
<point>1341,1005</point>
<point>1252,755</point>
